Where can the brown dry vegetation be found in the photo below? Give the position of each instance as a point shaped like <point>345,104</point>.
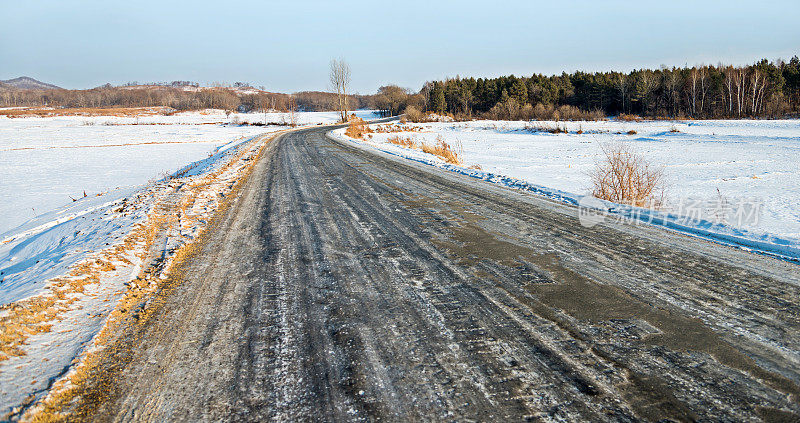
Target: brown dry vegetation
<point>444,150</point>
<point>390,128</point>
<point>87,111</point>
<point>178,98</point>
<point>357,128</point>
<point>406,142</point>
<point>629,117</point>
<point>413,114</point>
<point>512,110</point>
<point>625,176</point>
<point>34,315</point>
<point>555,129</point>
<point>360,130</point>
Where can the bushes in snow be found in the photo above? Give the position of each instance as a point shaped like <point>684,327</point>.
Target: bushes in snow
<point>625,176</point>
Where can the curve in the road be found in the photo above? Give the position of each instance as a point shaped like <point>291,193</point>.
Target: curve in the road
<point>348,285</point>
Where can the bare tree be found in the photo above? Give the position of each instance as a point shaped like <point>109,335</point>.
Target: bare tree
<point>671,83</point>
<point>702,89</point>
<point>622,85</point>
<point>340,80</point>
<point>426,94</point>
<point>694,79</point>
<point>262,103</point>
<point>291,106</point>
<point>730,75</point>
<point>647,83</point>
<point>739,81</point>
<point>757,84</point>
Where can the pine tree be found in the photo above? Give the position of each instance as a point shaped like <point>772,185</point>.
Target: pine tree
<point>438,103</point>
<point>504,96</point>
<point>519,91</point>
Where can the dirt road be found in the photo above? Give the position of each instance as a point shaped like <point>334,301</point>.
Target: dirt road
<point>343,285</point>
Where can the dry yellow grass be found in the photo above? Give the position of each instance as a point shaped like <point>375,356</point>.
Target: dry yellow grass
<point>35,315</point>
<point>392,128</point>
<point>360,129</point>
<point>93,111</point>
<point>415,115</point>
<point>357,128</point>
<point>444,150</point>
<point>629,117</point>
<point>406,142</point>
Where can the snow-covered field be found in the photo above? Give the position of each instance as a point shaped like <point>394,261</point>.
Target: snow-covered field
<point>706,163</point>
<point>45,162</point>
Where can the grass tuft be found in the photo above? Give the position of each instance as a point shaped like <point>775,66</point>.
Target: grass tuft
<point>444,150</point>
<point>406,142</point>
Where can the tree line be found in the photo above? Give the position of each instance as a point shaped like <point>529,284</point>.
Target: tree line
<point>176,96</point>
<point>763,89</point>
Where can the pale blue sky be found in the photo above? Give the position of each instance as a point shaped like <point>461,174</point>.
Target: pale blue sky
<point>287,45</point>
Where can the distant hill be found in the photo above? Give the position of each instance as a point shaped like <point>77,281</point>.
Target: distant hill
<point>27,83</point>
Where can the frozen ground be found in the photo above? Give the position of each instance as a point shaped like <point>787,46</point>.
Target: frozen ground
<point>44,162</point>
<point>716,165</point>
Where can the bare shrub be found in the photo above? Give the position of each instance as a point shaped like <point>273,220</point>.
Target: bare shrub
<point>595,114</point>
<point>390,128</point>
<point>413,114</point>
<point>567,112</point>
<point>625,176</point>
<point>540,127</point>
<point>357,128</point>
<point>542,112</point>
<point>461,117</point>
<point>631,132</point>
<point>354,130</point>
<point>511,110</point>
<point>526,112</point>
